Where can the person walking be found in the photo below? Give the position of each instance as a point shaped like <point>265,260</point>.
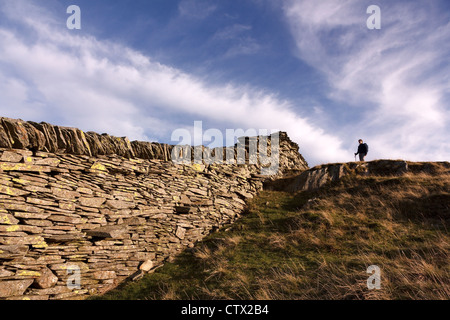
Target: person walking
<point>363,149</point>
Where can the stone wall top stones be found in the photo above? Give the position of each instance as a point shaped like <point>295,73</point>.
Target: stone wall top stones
<point>19,134</point>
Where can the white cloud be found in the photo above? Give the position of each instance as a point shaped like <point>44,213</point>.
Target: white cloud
<point>397,76</point>
<point>105,87</point>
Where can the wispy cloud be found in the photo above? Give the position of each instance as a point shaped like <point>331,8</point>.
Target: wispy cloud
<point>73,79</point>
<point>397,76</point>
<point>232,32</point>
<point>238,40</point>
<point>197,9</point>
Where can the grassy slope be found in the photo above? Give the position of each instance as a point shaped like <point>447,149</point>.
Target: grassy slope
<point>319,245</point>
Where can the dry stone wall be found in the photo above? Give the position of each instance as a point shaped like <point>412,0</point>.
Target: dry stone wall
<point>105,207</point>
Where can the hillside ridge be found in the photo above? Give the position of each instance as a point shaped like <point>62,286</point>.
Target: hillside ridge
<point>318,176</point>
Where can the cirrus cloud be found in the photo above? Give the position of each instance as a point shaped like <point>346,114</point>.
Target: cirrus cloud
<point>395,78</point>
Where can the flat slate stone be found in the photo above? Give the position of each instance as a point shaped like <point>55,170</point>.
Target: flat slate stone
<point>14,288</point>
<point>92,202</point>
<point>7,166</point>
<point>108,231</point>
<point>64,238</point>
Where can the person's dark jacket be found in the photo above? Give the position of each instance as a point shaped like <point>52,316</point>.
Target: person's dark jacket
<point>363,148</point>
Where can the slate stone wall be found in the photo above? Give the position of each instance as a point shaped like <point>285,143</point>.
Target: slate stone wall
<point>106,208</point>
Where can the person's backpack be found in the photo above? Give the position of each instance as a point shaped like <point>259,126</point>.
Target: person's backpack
<point>367,147</point>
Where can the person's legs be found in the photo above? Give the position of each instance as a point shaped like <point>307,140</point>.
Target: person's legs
<point>361,156</point>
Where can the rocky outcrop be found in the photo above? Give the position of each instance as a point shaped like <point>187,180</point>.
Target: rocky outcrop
<point>319,176</point>
<point>104,209</point>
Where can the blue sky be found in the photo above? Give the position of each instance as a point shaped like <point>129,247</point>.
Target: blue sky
<point>312,68</point>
